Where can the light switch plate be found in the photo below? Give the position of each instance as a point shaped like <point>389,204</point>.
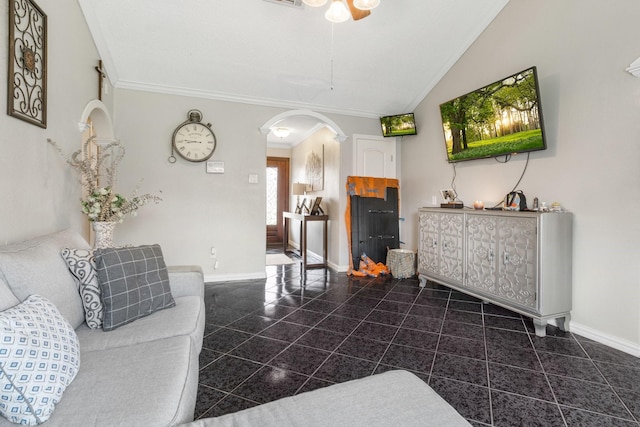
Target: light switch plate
<point>215,167</point>
<point>253,178</point>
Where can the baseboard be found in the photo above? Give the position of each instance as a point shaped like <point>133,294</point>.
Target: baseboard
<point>614,342</point>
<point>337,267</point>
<point>208,278</point>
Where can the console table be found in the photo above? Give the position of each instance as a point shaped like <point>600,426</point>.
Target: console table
<point>304,220</point>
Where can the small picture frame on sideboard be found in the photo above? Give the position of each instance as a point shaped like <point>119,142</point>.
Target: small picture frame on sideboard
<point>315,207</point>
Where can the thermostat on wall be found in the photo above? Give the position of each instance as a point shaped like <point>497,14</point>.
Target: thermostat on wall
<point>215,167</point>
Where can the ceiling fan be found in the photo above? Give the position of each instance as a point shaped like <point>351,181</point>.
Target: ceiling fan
<point>357,13</point>
<point>358,9</point>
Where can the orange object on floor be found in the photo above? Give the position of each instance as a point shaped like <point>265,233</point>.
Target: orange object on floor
<point>369,267</point>
<point>364,186</point>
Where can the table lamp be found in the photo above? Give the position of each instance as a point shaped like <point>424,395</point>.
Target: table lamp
<point>298,190</point>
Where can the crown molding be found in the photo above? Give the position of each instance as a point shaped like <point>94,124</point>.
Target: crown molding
<point>221,96</point>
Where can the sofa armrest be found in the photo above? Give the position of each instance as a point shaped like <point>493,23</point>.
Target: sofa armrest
<point>186,280</point>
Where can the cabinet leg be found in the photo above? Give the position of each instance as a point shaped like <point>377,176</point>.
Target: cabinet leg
<point>423,280</point>
<point>563,323</point>
<point>541,327</point>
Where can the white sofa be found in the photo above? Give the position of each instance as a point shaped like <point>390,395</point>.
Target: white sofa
<point>144,373</point>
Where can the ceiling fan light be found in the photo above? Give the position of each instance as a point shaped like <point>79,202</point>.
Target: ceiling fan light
<point>314,3</point>
<point>337,12</point>
<point>366,4</point>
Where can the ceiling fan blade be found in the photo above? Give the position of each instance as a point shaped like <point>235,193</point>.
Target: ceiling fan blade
<point>356,13</point>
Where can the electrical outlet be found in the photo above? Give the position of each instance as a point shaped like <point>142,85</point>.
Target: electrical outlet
<point>434,200</point>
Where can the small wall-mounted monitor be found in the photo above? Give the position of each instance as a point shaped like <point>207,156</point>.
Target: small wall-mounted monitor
<point>398,125</point>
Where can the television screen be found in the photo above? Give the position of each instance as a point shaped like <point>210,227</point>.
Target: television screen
<point>398,125</point>
<point>499,119</point>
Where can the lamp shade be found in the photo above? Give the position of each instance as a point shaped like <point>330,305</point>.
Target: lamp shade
<point>366,4</point>
<point>337,12</point>
<point>298,189</point>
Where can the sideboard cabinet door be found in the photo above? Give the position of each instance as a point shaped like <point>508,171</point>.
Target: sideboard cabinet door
<point>482,253</point>
<point>441,239</point>
<point>517,261</point>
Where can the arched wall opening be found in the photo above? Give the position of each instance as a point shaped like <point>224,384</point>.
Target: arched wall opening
<point>323,137</point>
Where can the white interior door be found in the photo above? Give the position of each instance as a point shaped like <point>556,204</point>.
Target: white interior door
<point>375,156</point>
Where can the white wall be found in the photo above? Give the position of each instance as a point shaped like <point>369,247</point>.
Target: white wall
<point>39,192</point>
<point>201,210</point>
<point>591,110</point>
<point>198,210</point>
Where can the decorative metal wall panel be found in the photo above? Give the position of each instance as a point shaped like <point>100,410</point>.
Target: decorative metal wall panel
<point>27,76</point>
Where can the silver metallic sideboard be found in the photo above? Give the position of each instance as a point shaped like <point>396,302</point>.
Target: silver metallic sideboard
<point>518,260</point>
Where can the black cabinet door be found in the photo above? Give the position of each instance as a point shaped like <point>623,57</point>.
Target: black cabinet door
<point>374,226</point>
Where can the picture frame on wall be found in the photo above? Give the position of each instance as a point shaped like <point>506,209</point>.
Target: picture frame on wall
<point>27,68</point>
<point>314,168</point>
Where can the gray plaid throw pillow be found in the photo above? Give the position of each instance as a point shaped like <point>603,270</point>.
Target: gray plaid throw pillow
<point>134,283</point>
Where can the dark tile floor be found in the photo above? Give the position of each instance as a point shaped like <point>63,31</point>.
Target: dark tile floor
<point>267,339</point>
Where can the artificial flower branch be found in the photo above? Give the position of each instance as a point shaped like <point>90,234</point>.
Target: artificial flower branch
<point>97,177</point>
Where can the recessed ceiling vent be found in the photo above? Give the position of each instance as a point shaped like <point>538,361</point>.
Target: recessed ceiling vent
<point>292,3</point>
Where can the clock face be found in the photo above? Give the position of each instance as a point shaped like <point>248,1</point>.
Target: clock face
<point>194,142</point>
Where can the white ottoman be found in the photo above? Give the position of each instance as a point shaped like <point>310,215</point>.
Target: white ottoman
<point>394,398</point>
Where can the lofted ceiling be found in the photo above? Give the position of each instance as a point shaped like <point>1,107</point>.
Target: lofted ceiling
<point>268,52</point>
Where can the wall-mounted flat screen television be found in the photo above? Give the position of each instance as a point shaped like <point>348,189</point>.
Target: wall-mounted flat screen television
<point>499,119</point>
<point>398,125</point>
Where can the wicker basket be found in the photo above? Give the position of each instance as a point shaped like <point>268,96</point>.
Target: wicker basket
<point>401,262</point>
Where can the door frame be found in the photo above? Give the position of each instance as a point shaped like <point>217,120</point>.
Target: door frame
<point>383,141</point>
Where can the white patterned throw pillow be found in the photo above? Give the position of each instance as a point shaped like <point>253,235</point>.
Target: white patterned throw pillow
<point>39,357</point>
<point>82,265</point>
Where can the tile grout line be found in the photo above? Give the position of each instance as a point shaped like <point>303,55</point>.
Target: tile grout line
<point>404,318</point>
<point>486,355</point>
<point>253,335</point>
<point>397,322</point>
<point>346,338</point>
<point>546,376</point>
<point>593,362</point>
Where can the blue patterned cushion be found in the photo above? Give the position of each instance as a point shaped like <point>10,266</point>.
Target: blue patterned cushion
<point>39,357</point>
<point>134,283</point>
<point>82,265</point>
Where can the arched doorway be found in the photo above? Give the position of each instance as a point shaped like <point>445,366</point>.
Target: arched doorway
<point>303,125</point>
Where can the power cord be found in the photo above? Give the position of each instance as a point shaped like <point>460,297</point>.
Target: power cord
<point>521,175</point>
<point>453,183</point>
<point>506,159</point>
